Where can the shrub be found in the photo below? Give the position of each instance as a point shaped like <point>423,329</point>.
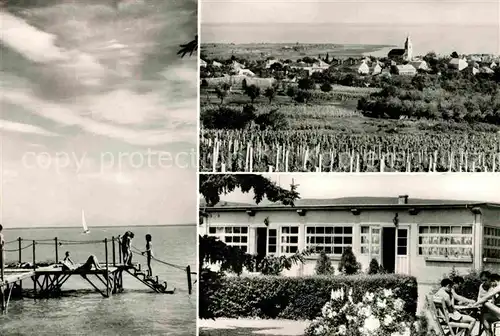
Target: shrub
<point>374,267</point>
<point>326,87</point>
<point>228,118</point>
<point>324,265</point>
<point>299,297</point>
<point>348,263</point>
<point>274,120</point>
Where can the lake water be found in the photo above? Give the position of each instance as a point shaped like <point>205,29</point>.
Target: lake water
<point>439,38</point>
<point>136,311</point>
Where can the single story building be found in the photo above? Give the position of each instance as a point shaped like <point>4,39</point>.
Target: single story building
<point>406,70</point>
<point>458,64</point>
<point>423,238</point>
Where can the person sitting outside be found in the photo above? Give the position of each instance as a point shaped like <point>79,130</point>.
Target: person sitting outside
<point>484,276</point>
<point>459,299</point>
<point>69,265</point>
<point>445,293</point>
<point>492,313</point>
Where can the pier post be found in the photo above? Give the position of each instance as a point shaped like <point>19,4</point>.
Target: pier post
<point>19,239</point>
<point>57,250</point>
<point>119,250</point>
<point>34,268</point>
<point>190,284</point>
<point>34,255</point>
<point>114,255</point>
<point>2,266</point>
<point>107,266</point>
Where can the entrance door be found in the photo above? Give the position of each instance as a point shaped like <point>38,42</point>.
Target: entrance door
<point>402,260</point>
<point>261,242</point>
<point>389,249</point>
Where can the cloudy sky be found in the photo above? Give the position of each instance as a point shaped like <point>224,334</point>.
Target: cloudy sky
<point>480,187</point>
<point>482,12</point>
<point>98,113</point>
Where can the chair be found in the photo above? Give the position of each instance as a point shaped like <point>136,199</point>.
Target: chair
<point>495,327</point>
<point>439,314</point>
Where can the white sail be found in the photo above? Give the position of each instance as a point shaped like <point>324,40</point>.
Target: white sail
<point>84,223</point>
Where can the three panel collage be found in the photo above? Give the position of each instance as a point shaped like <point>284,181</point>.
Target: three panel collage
<point>249,167</point>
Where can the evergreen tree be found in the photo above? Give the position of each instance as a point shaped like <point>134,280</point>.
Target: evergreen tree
<point>324,265</point>
<point>374,267</point>
<point>348,263</point>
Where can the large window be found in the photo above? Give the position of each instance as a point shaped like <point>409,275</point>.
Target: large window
<point>231,235</point>
<point>370,241</point>
<point>491,242</point>
<point>331,239</point>
<point>445,241</point>
<point>289,239</point>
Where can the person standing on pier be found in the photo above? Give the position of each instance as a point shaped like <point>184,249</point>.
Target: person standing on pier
<point>149,254</point>
<point>127,247</point>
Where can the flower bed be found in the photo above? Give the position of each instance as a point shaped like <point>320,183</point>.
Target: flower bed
<point>378,313</point>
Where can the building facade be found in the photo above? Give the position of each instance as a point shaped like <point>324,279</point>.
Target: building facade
<point>423,238</point>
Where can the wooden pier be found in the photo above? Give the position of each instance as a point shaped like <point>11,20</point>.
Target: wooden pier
<point>48,279</point>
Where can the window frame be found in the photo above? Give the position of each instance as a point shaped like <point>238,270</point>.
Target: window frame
<point>284,245</point>
<point>333,235</point>
<point>223,235</point>
<point>448,246</point>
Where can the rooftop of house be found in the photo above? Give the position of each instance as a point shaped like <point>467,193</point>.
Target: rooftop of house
<point>353,202</point>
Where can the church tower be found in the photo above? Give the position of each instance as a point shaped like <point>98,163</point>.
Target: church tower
<point>408,56</point>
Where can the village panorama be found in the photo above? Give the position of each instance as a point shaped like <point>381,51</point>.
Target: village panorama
<point>296,107</point>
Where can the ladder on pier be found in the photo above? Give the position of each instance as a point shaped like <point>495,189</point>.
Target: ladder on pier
<point>153,283</point>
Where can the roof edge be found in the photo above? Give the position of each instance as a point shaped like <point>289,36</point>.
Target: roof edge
<point>351,206</point>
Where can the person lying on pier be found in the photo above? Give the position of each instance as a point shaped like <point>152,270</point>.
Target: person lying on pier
<point>69,265</point>
<point>445,293</point>
<point>149,254</point>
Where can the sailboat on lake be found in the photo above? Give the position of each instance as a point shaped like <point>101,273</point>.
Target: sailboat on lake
<point>84,224</point>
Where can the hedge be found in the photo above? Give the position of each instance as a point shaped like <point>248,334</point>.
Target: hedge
<point>300,298</point>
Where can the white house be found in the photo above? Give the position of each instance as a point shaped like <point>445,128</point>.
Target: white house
<point>363,68</point>
<point>376,69</point>
<point>458,64</point>
<point>216,64</point>
<point>420,65</point>
<point>487,70</point>
<point>203,64</point>
<point>237,66</point>
<point>406,69</point>
<point>245,72</point>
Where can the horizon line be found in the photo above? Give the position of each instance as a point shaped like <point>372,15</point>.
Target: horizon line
<point>95,226</point>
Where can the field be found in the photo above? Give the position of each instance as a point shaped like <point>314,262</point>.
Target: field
<point>327,133</point>
<point>331,151</point>
<point>287,51</point>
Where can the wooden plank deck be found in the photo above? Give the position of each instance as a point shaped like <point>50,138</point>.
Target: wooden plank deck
<point>14,275</point>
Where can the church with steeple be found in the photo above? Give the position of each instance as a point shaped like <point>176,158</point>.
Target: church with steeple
<point>405,54</point>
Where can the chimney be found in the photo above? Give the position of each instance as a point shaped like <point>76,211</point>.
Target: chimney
<point>403,199</point>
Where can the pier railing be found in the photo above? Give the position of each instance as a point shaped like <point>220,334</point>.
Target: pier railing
<point>109,260</point>
<point>57,243</point>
